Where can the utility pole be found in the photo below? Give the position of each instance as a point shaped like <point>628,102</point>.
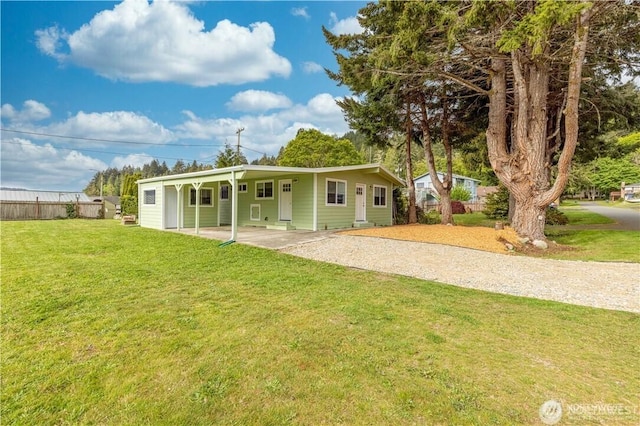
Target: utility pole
<point>101,180</point>
<point>240,130</point>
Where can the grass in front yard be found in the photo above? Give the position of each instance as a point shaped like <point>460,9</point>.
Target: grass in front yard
<point>579,216</point>
<point>123,325</point>
<point>474,219</point>
<point>597,245</point>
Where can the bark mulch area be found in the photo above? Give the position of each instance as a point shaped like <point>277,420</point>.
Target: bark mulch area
<point>475,237</point>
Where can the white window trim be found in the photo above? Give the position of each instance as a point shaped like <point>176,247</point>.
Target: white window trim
<point>272,189</point>
<point>326,193</point>
<point>386,197</point>
<point>228,193</point>
<point>200,193</point>
<point>241,185</point>
<point>144,197</point>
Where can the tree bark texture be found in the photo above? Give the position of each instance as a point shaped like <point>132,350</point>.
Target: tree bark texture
<point>443,187</point>
<point>523,166</point>
<point>413,215</point>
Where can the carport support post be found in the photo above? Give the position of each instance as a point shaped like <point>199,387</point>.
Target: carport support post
<point>197,186</point>
<point>234,206</point>
<point>179,191</point>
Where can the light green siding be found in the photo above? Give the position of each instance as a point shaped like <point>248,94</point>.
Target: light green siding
<point>302,205</point>
<point>208,215</point>
<point>307,212</point>
<point>302,215</point>
<point>335,217</point>
<point>150,215</point>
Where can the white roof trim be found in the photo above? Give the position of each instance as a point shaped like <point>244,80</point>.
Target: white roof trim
<point>272,169</point>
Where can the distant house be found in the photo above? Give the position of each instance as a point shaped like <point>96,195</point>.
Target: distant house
<point>112,206</point>
<point>426,191</point>
<point>267,196</point>
<point>43,196</point>
<point>630,191</point>
<point>483,191</point>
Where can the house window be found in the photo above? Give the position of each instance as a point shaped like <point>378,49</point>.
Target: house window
<point>242,187</point>
<point>420,185</point>
<point>264,189</point>
<point>150,196</point>
<point>336,192</point>
<point>379,196</point>
<point>206,197</point>
<point>224,192</point>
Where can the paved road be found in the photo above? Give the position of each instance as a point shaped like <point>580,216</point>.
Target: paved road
<point>626,219</point>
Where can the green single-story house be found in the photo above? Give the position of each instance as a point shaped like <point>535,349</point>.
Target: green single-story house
<point>272,197</point>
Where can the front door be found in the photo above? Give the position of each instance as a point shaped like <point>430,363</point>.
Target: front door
<point>170,207</point>
<point>361,202</point>
<point>286,200</point>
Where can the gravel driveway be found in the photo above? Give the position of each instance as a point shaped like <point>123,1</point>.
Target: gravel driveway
<point>598,284</point>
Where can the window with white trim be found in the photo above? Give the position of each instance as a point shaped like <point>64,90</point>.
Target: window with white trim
<point>336,192</point>
<point>206,197</point>
<point>224,192</point>
<point>264,190</point>
<point>379,196</point>
<point>242,187</point>
<point>149,196</point>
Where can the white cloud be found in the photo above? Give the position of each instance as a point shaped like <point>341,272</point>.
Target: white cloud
<point>32,166</point>
<point>162,41</point>
<point>116,125</point>
<point>300,11</point>
<point>199,128</point>
<point>258,100</point>
<point>348,25</point>
<point>49,41</point>
<point>311,67</point>
<point>31,111</point>
<point>266,133</point>
<point>135,160</point>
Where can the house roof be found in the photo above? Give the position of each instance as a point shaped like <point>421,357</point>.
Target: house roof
<point>45,196</point>
<point>248,171</point>
<point>483,191</point>
<point>442,173</point>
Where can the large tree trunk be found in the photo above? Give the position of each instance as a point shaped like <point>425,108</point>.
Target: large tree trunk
<point>524,169</point>
<point>446,213</point>
<point>413,215</point>
<point>443,187</point>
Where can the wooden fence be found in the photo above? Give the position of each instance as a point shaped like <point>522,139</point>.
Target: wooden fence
<point>472,206</point>
<point>35,210</point>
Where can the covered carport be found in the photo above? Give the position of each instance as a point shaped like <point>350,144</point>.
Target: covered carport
<point>196,180</point>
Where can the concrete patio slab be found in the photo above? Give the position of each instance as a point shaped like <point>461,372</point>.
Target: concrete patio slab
<point>260,237</point>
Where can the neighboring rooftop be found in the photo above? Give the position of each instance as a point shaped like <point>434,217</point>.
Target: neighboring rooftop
<point>48,196</point>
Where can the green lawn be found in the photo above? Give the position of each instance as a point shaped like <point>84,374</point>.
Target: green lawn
<point>580,216</point>
<point>106,324</point>
<point>589,244</point>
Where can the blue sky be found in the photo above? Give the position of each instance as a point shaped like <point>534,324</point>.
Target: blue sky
<point>170,80</point>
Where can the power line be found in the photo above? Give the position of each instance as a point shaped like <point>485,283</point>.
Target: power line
<point>50,135</point>
<point>99,152</point>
